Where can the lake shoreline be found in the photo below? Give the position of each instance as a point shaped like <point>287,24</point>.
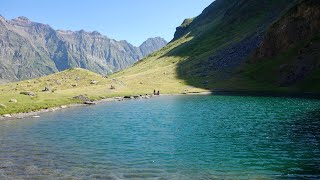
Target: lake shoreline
<point>37,113</point>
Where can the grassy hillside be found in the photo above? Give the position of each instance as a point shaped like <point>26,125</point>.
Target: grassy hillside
<point>63,86</point>
<point>216,50</point>
<point>207,49</point>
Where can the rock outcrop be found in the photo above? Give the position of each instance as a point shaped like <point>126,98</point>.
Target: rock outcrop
<point>300,23</point>
<point>297,31</point>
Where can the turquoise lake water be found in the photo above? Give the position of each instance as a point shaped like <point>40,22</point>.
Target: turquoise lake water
<point>169,137</point>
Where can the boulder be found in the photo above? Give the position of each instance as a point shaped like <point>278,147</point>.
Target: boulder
<point>82,98</point>
<point>58,82</point>
<point>13,100</point>
<point>46,89</point>
<point>28,93</point>
<point>146,97</point>
<point>7,116</point>
<point>118,98</point>
<point>90,103</point>
<point>137,97</point>
<point>94,82</point>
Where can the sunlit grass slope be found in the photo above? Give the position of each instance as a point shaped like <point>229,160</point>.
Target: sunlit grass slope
<point>186,60</point>
<point>65,85</point>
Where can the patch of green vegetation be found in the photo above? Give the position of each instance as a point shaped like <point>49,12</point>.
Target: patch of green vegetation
<point>73,82</point>
<point>186,22</point>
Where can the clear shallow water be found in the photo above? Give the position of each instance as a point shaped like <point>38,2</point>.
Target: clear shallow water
<point>174,137</point>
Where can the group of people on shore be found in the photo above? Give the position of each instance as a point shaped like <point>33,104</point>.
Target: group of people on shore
<point>156,93</point>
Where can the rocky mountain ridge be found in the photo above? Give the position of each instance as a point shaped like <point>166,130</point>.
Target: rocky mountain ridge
<point>29,49</point>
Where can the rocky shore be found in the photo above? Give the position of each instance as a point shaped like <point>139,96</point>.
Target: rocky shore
<point>36,114</point>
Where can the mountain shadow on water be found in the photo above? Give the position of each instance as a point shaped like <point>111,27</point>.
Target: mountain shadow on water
<point>304,134</point>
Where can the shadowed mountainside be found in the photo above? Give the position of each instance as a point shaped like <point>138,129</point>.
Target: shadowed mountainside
<point>220,49</point>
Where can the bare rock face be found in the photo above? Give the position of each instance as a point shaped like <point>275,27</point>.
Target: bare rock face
<point>296,31</point>
<point>29,49</point>
<point>301,66</point>
<point>299,23</point>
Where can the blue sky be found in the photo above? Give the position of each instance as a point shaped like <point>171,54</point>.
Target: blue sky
<point>131,20</point>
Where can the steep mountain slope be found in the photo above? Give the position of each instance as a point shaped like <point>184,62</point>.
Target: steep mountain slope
<point>289,56</point>
<point>209,51</point>
<point>30,49</point>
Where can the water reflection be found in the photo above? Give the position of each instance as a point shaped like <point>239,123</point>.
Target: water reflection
<point>304,147</point>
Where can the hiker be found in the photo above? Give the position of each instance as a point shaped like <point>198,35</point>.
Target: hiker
<point>154,92</point>
<point>158,93</point>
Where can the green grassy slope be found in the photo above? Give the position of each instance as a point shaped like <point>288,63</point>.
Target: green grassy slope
<point>215,51</point>
<point>225,27</point>
<point>63,87</point>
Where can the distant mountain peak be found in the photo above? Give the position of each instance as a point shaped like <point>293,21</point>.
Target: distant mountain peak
<point>152,44</point>
<point>96,33</point>
<point>21,21</point>
<point>23,18</point>
<point>154,39</point>
<point>35,49</point>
